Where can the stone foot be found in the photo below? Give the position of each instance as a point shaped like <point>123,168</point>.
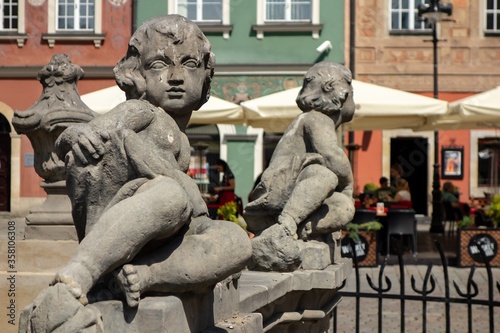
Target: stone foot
<point>275,250</point>
<point>289,225</point>
<point>305,230</point>
<point>128,279</point>
<point>74,288</point>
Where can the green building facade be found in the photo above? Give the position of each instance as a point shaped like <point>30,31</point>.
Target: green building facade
<point>261,47</point>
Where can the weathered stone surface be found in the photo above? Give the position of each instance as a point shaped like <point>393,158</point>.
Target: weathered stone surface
<point>186,312</point>
<point>315,255</point>
<point>140,219</point>
<point>299,301</point>
<point>306,192</point>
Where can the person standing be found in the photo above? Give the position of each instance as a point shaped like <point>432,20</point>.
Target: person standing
<point>227,183</point>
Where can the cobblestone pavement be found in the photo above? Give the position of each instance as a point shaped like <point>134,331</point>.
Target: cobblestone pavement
<point>413,309</point>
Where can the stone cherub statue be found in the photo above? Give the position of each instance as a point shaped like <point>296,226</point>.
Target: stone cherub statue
<point>306,192</point>
<point>136,211</point>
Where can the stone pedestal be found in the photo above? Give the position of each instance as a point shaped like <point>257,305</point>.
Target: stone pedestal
<point>53,220</point>
<point>201,312</point>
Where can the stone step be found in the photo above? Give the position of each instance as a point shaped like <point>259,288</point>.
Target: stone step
<point>35,255</point>
<point>30,271</point>
<point>18,291</point>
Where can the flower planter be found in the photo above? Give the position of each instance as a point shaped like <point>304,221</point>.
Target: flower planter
<point>366,248</point>
<point>469,240</point>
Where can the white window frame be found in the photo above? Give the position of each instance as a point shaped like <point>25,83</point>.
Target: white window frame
<point>173,9</point>
<point>21,29</point>
<point>95,33</point>
<point>261,17</point>
<point>476,190</point>
<point>412,22</point>
<point>199,11</point>
<point>495,12</point>
<point>75,17</point>
<point>288,13</point>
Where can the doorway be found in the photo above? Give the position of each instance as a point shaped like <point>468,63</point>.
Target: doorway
<point>411,154</point>
<point>5,144</point>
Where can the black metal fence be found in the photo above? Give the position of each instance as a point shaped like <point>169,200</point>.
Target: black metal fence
<point>425,294</point>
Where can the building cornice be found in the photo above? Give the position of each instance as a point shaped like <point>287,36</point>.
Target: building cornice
<point>106,72</point>
<point>262,69</point>
<point>30,72</point>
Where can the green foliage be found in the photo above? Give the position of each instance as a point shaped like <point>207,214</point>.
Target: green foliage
<point>229,211</point>
<point>494,210</point>
<point>466,222</point>
<point>353,228</point>
<point>370,187</point>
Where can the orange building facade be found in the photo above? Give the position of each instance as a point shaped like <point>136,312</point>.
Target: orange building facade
<point>392,49</point>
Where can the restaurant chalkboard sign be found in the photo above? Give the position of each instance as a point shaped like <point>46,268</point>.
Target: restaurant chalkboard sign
<point>482,242</point>
<point>360,247</point>
<point>472,240</point>
<point>366,248</point>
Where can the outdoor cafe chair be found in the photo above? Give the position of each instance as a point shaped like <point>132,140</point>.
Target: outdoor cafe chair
<point>401,222</point>
<point>450,217</point>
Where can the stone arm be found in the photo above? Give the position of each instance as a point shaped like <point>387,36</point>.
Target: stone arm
<point>87,140</point>
<point>184,157</point>
<point>320,137</point>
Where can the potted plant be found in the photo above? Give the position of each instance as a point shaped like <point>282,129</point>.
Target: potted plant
<point>362,239</point>
<point>493,211</point>
<point>473,240</point>
<point>229,212</point>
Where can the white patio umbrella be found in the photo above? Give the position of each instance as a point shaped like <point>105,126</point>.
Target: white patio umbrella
<point>477,111</point>
<point>215,111</point>
<point>377,107</point>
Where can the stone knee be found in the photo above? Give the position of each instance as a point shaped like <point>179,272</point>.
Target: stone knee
<point>168,204</point>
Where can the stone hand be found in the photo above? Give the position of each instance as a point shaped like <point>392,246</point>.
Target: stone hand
<point>89,144</point>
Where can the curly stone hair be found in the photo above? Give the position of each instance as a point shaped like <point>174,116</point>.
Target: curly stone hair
<point>177,28</point>
<point>329,73</point>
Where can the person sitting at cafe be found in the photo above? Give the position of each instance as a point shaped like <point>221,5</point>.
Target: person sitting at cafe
<point>384,190</point>
<point>403,192</point>
<point>450,199</point>
<point>367,199</point>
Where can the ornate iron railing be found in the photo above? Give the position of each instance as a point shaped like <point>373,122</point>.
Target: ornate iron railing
<point>424,294</point>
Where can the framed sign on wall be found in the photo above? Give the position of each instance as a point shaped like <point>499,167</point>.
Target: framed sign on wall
<point>452,163</point>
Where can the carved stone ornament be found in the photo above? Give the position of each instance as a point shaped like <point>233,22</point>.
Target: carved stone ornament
<point>58,107</point>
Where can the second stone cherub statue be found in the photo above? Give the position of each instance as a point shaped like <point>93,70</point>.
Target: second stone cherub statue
<point>306,192</point>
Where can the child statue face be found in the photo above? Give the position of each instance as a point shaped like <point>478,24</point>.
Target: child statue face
<point>174,73</point>
<point>325,90</point>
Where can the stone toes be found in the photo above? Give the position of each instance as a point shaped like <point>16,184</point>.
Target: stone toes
<point>133,299</point>
<point>129,269</point>
<point>132,279</point>
<point>134,287</point>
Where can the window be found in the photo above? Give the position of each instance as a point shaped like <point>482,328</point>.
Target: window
<point>12,21</point>
<point>488,160</point>
<point>404,15</point>
<point>201,10</point>
<point>71,20</point>
<point>492,16</point>
<point>210,15</point>
<point>287,16</point>
<point>75,15</point>
<point>9,13</point>
<point>288,10</point>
